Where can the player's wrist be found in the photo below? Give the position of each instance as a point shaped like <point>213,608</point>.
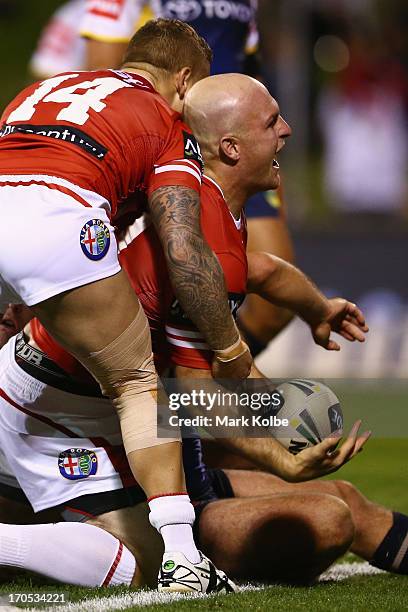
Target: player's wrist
<point>290,468</point>
<point>297,469</point>
<point>232,352</point>
<point>317,311</point>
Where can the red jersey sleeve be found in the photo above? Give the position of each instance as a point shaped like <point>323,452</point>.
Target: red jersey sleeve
<point>180,162</point>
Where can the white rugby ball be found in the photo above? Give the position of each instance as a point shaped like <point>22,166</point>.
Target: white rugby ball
<point>313,411</point>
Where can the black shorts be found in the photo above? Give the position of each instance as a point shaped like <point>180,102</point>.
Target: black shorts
<point>222,489</point>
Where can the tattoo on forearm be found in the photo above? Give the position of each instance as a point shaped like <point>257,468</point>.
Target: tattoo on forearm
<point>194,270</point>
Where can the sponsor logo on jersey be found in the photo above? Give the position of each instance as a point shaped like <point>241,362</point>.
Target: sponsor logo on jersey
<point>77,463</point>
<point>188,10</point>
<point>95,239</point>
<point>63,133</point>
<point>192,149</point>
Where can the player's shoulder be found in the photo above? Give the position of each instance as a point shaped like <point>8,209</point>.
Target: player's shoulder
<point>154,101</point>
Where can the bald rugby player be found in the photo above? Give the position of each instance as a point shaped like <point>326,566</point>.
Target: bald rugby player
<point>253,515</point>
<point>231,30</point>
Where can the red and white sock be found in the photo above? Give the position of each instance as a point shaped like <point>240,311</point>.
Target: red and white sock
<point>75,553</point>
<point>173,516</point>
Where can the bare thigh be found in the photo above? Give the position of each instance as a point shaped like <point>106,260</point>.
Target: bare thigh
<point>82,330</point>
<point>290,537</point>
<point>370,520</point>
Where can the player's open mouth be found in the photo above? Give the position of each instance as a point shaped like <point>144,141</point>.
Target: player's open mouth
<point>275,164</point>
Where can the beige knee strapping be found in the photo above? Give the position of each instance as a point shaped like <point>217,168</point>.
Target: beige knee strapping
<point>125,371</point>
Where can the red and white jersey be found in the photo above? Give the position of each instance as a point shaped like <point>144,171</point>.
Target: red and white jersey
<point>173,334</point>
<point>60,48</point>
<point>106,131</point>
<point>115,20</point>
<point>175,338</point>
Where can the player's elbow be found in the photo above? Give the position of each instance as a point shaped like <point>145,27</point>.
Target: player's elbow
<point>263,268</point>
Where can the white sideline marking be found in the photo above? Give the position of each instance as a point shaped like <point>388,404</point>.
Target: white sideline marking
<point>336,573</point>
<point>342,571</point>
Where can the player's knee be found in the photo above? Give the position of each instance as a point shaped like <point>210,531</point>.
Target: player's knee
<point>125,365</point>
<point>347,492</point>
<point>338,532</point>
<point>125,371</point>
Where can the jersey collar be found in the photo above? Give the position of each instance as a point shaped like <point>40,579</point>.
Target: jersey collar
<point>238,222</point>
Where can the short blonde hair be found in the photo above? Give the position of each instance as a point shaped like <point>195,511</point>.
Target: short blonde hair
<point>170,44</point>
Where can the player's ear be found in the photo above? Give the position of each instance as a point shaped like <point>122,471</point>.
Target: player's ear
<point>183,81</point>
<point>230,150</point>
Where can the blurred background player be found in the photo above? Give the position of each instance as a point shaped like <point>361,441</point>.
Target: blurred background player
<point>231,32</point>
<point>59,48</point>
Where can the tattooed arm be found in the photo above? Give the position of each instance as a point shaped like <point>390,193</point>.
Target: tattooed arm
<point>194,270</point>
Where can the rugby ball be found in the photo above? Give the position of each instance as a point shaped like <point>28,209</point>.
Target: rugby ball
<point>313,412</point>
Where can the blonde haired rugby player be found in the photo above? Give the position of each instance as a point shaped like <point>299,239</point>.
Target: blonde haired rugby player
<point>109,502</point>
<point>72,149</point>
<point>231,31</point>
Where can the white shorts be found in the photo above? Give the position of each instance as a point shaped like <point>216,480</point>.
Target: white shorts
<point>58,445</point>
<point>54,236</point>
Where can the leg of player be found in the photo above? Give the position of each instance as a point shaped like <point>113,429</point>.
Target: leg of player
<point>131,526</point>
<point>77,553</point>
<point>288,537</point>
<point>259,320</point>
<point>112,339</point>
<point>380,535</point>
<point>124,534</point>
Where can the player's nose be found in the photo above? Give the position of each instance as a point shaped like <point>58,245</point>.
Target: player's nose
<point>284,128</point>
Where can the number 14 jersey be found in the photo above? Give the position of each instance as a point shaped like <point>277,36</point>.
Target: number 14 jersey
<point>106,131</point>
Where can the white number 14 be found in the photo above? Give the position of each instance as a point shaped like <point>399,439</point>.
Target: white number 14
<point>79,103</point>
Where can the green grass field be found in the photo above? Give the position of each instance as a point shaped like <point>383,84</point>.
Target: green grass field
<point>380,472</point>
